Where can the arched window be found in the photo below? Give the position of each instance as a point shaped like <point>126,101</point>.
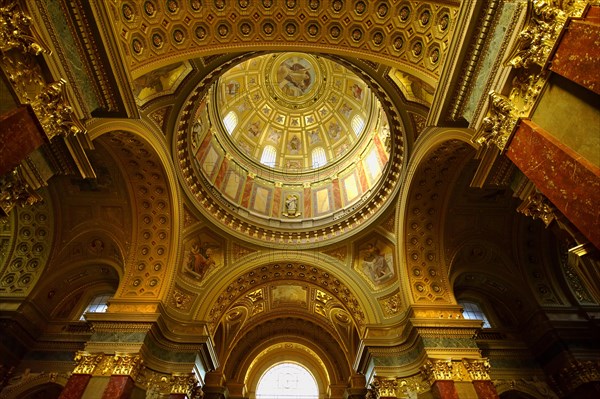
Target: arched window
<point>230,121</point>
<point>268,156</point>
<point>287,381</point>
<point>318,157</point>
<point>472,311</point>
<point>358,124</point>
<point>98,305</point>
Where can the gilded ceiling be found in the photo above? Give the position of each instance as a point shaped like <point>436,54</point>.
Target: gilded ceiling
<point>414,34</point>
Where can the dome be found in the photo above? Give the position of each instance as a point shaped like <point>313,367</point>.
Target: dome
<point>288,145</point>
<point>294,112</point>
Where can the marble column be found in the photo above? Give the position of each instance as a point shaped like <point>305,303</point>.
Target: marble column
<point>125,367</point>
<point>75,386</point>
<point>578,52</point>
<point>82,374</point>
<point>440,374</point>
<point>568,180</point>
<point>479,372</point>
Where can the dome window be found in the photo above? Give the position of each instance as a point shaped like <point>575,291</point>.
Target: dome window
<point>230,121</point>
<point>318,157</point>
<point>268,156</point>
<point>358,124</point>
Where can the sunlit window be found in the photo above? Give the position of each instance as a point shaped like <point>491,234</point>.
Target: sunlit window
<point>358,124</point>
<point>98,305</point>
<point>230,121</point>
<point>287,381</point>
<point>268,156</point>
<point>472,311</point>
<point>318,157</point>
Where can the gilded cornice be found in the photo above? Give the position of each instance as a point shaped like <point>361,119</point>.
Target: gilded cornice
<point>100,364</point>
<point>455,370</point>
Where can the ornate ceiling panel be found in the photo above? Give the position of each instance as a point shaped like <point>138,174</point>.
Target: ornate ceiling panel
<point>412,33</point>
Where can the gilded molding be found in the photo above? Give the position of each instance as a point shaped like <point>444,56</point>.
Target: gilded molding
<point>499,124</point>
<point>465,370</point>
<point>384,387</point>
<point>183,383</point>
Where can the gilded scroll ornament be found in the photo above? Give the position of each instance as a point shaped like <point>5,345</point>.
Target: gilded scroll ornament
<point>537,206</point>
<point>387,387</point>
<point>373,392</point>
<point>86,362</point>
<point>478,369</point>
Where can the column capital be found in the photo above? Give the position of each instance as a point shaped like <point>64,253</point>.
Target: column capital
<point>87,362</point>
<point>478,369</point>
<point>126,364</point>
<point>437,369</point>
<point>183,383</point>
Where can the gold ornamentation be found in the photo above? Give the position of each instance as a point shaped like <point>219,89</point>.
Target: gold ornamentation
<point>183,383</point>
<point>126,364</point>
<point>54,112</point>
<point>16,32</point>
<point>181,300</point>
<point>412,386</point>
<point>15,191</point>
<point>386,387</point>
<point>435,370</point>
<point>500,122</point>
<point>537,206</point>
<point>373,392</point>
<point>544,23</point>
<point>87,362</point>
<point>478,369</point>
<point>391,304</point>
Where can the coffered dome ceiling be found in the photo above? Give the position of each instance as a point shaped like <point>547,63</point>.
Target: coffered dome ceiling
<point>289,147</point>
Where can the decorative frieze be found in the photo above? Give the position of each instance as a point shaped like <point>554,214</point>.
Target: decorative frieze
<point>87,362</point>
<point>102,364</point>
<point>478,369</point>
<point>465,370</point>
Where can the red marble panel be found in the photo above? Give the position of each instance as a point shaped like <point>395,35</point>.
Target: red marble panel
<point>568,180</point>
<point>578,55</point>
<point>247,192</point>
<point>485,390</point>
<point>276,202</point>
<point>75,386</point>
<point>20,134</point>
<point>364,185</point>
<point>593,14</point>
<point>204,145</point>
<point>178,396</point>
<point>444,390</point>
<point>307,207</point>
<point>221,175</point>
<point>337,194</point>
<point>119,387</point>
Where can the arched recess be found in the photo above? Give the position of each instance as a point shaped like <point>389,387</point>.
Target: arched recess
<point>287,339</point>
<point>27,386</point>
<point>143,158</point>
<point>438,158</point>
<point>286,352</point>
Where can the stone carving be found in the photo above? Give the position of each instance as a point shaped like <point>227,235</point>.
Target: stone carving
<point>575,374</point>
<point>291,206</point>
<point>15,31</point>
<point>86,362</point>
<point>54,112</point>
<point>435,370</point>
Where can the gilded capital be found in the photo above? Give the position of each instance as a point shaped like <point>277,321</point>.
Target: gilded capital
<point>478,369</point>
<point>435,370</point>
<point>183,383</point>
<point>86,362</point>
<point>386,387</point>
<point>126,364</point>
<point>537,206</point>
